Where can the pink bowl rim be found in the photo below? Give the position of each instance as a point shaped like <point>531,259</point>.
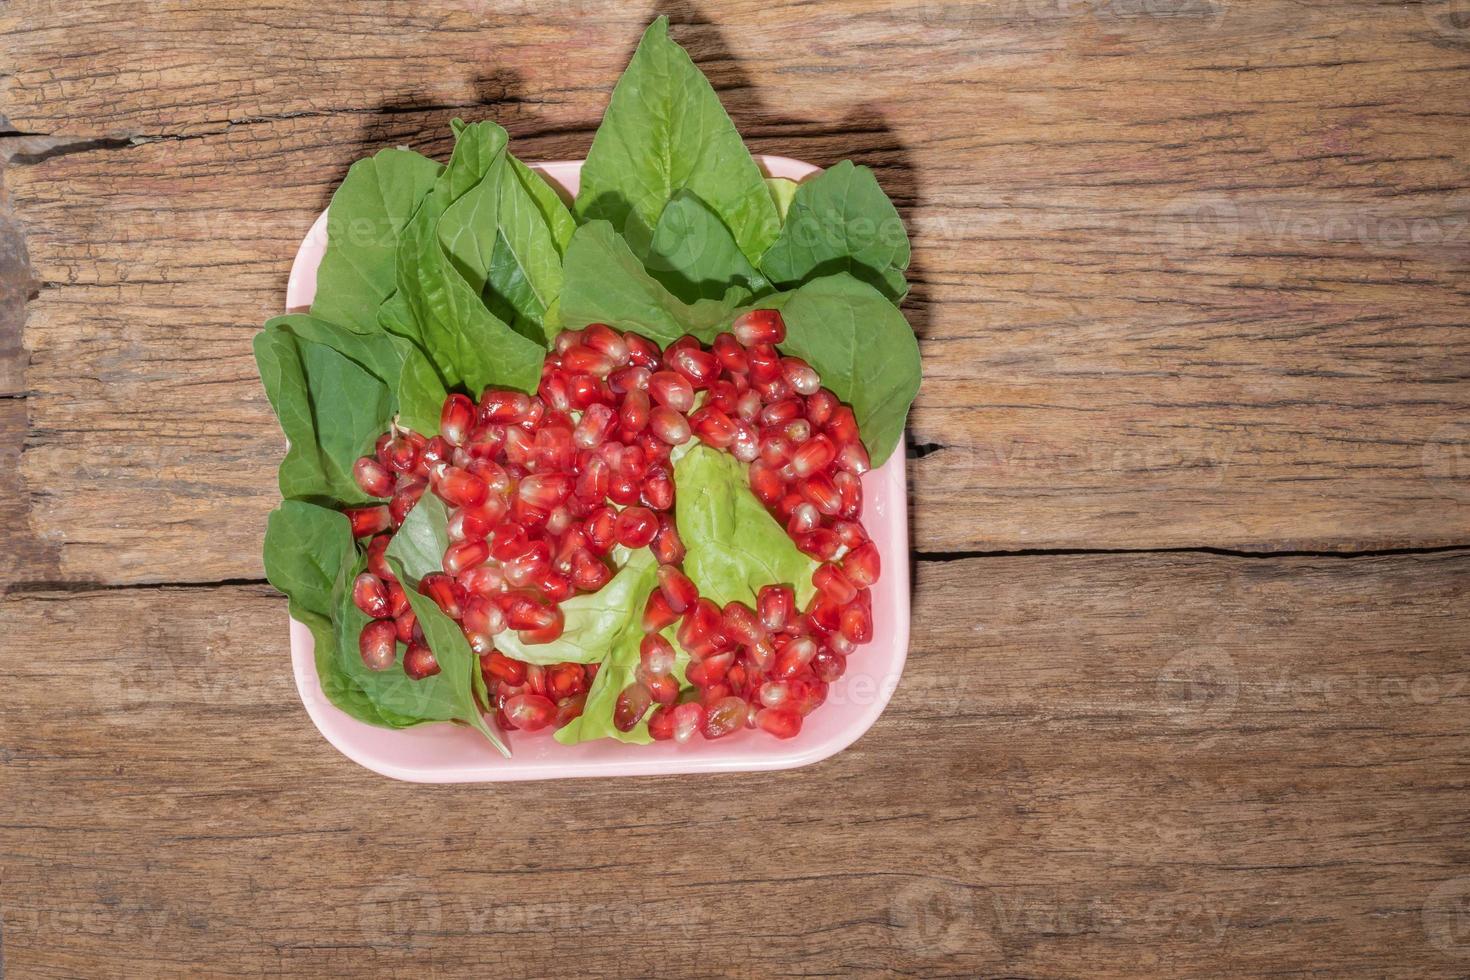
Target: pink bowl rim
<point>736,754</point>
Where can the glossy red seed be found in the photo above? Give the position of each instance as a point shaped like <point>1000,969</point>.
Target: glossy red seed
<point>730,353</point>
<point>636,526</point>
<point>794,657</point>
<point>740,623</point>
<point>370,594</point>
<point>661,723</point>
<point>663,689</point>
<point>633,415</point>
<point>688,720</point>
<point>597,421</point>
<point>509,541</point>
<point>419,662</point>
<point>807,696</point>
<point>805,518</point>
<point>850,534</point>
<point>378,644</point>
<point>407,625</point>
<point>402,453</point>
<point>404,498</point>
<point>748,406</point>
<point>548,633</point>
<point>783,411</point>
<point>821,544</point>
<point>545,490</point>
<point>813,455</point>
<point>503,668</point>
<point>397,599</point>
<point>850,489</point>
<point>832,583</point>
<point>766,483</point>
<point>601,337</point>
<point>857,623</point>
<point>633,703</point>
<point>655,656</point>
<point>464,555</point>
<point>778,722</point>
<point>820,406</point>
<point>456,418</point>
<point>641,351</point>
<point>503,406</point>
<point>725,716</point>
<point>862,565</point>
<point>671,390</point>
<point>460,488</point>
<point>843,428</point>
<point>368,520</point>
<point>445,592</point>
<point>667,546</point>
<point>853,458</point>
<point>829,665</point>
<point>822,493</point>
<point>629,379</point>
<point>800,376</point>
<point>776,603</point>
<point>569,708</point>
<point>677,588</point>
<point>658,488</point>
<point>375,479</point>
<point>377,561</point>
<point>713,427</point>
<point>530,567</point>
<point>483,615</point>
<point>759,327</point>
<point>589,573</point>
<point>698,365</point>
<point>529,712</point>
<point>585,360</point>
<point>656,613</point>
<point>669,425</point>
<point>601,529</point>
<point>699,631</point>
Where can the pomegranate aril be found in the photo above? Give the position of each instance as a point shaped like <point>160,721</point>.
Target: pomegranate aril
<point>804,519</point>
<point>822,492</point>
<point>778,722</point>
<point>745,446</point>
<point>830,581</point>
<point>503,406</point>
<point>503,668</point>
<point>740,624</point>
<point>378,644</point>
<point>671,390</point>
<point>766,483</point>
<point>588,572</point>
<point>699,632</point>
<point>773,694</point>
<point>688,719</point>
<point>807,696</point>
<point>404,499</point>
<point>781,412</point>
<point>655,656</point>
<point>862,565</point>
<point>555,586</point>
<point>368,520</point>
<point>678,590</point>
<point>565,680</point>
<point>725,716</point>
<point>549,633</point>
<point>748,406</point>
<point>820,544</point>
<point>641,351</point>
<point>629,379</point>
<point>569,708</point>
<point>419,662</point>
<point>656,613</point>
<point>460,487</point>
<point>596,422</point>
<point>601,528</point>
<point>661,723</point>
<point>857,623</point>
<point>828,665</point>
<point>843,428</point>
<point>601,337</point>
<point>375,479</point>
<point>402,453</point>
<point>759,327</point>
<point>529,712</point>
<point>370,595</point>
<point>711,670</point>
<point>798,431</point>
<point>658,488</point>
<point>850,489</point>
<point>850,534</point>
<point>585,360</point>
<point>668,425</point>
<point>663,689</point>
<point>483,615</point>
<point>377,561</point>
<point>667,547</point>
<point>407,625</point>
<point>800,376</point>
<point>528,568</point>
<point>632,705</point>
<point>464,555</point>
<point>820,406</point>
<point>813,455</point>
<point>776,603</point>
<point>397,599</point>
<point>795,656</point>
<point>730,353</point>
<point>698,365</point>
<point>445,592</point>
<point>509,541</point>
<point>713,427</point>
<point>544,491</point>
<point>636,526</point>
<point>633,415</point>
<point>853,458</point>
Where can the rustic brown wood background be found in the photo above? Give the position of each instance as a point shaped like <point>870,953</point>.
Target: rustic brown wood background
<point>1190,673</point>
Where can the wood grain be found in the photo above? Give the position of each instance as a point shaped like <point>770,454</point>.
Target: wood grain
<point>1190,280</point>
<point>1100,766</point>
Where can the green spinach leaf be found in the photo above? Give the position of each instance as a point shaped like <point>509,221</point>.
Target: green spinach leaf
<point>665,130</point>
<point>733,545</point>
<point>419,544</point>
<point>366,217</point>
<point>864,350</point>
<point>605,283</point>
<point>306,547</point>
<point>841,221</point>
<point>695,257</point>
<point>441,272</point>
<point>331,410</point>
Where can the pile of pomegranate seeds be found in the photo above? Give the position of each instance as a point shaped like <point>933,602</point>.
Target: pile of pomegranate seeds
<point>542,488</point>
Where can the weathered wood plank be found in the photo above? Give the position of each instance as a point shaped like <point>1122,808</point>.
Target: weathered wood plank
<point>1100,766</point>
<point>1182,281</point>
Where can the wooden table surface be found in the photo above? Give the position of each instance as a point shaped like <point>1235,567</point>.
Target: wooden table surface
<point>1189,684</point>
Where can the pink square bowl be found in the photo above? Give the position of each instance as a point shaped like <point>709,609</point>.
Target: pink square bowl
<point>445,753</point>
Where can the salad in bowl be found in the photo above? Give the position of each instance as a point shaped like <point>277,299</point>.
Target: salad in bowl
<point>569,468</point>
